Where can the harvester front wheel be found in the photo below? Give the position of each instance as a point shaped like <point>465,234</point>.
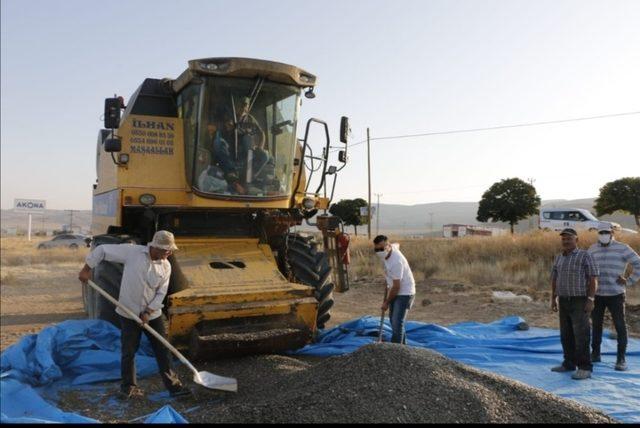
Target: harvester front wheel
<point>107,275</point>
<point>301,262</point>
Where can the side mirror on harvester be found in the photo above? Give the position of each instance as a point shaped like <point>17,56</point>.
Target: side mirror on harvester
<point>342,156</point>
<point>112,113</point>
<point>344,129</point>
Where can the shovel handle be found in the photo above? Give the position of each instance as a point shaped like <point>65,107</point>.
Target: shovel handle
<point>381,325</point>
<point>382,318</point>
<point>147,327</point>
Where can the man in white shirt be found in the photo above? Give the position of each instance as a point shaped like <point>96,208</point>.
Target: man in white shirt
<point>145,281</point>
<point>401,287</point>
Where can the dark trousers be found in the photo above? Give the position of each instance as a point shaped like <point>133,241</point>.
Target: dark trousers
<point>398,309</point>
<point>615,304</point>
<point>130,336</point>
<point>575,332</point>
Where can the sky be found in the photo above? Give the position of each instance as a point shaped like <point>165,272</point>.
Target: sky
<point>401,67</point>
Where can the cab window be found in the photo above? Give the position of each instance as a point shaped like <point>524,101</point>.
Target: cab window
<point>246,138</point>
<point>188,112</point>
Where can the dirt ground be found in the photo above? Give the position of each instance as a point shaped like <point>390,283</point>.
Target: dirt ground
<point>448,302</point>
<point>39,295</point>
<point>36,296</point>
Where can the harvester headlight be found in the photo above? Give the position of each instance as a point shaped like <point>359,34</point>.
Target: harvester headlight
<point>147,199</point>
<point>308,203</point>
<point>305,78</point>
<point>212,66</point>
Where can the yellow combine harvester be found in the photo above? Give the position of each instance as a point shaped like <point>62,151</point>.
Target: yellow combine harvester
<point>212,156</point>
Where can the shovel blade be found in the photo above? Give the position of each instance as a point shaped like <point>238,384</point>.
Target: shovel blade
<point>211,381</point>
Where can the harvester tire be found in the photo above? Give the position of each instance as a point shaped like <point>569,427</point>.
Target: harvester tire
<point>107,275</point>
<point>324,318</point>
<point>300,261</point>
<point>87,300</point>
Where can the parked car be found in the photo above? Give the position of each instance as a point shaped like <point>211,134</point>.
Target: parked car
<point>576,218</point>
<point>66,240</point>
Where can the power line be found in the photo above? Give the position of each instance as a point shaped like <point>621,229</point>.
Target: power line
<point>437,189</point>
<point>492,128</point>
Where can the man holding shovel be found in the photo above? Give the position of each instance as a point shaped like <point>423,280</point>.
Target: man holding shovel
<point>145,281</point>
<point>401,287</point>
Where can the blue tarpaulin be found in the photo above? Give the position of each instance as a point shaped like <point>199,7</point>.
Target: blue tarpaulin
<point>74,354</point>
<point>502,348</point>
<point>165,415</point>
<point>71,354</point>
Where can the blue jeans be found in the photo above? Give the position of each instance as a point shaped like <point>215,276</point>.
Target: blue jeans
<point>398,309</point>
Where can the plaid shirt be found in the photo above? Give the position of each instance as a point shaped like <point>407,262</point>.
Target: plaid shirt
<point>612,261</point>
<point>572,272</point>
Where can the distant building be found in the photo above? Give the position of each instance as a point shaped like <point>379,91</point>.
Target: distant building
<point>460,230</point>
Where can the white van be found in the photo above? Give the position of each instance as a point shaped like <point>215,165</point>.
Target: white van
<point>576,218</point>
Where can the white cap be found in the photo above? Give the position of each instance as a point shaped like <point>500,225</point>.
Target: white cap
<point>604,227</point>
<point>163,240</point>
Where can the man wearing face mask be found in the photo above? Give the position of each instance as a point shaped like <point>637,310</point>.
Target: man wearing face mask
<point>400,285</point>
<point>612,258</point>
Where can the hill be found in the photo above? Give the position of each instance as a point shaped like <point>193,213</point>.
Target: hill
<point>394,219</point>
<point>51,220</point>
<point>416,219</point>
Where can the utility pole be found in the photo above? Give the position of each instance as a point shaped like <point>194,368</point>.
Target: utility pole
<point>531,181</point>
<point>430,223</point>
<point>378,214</point>
<point>369,174</point>
<point>71,220</point>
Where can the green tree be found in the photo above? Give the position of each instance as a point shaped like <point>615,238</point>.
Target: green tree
<point>349,211</point>
<point>509,200</point>
<point>620,195</point>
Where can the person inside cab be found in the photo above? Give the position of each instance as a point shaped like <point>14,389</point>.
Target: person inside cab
<point>254,163</point>
<point>220,174</point>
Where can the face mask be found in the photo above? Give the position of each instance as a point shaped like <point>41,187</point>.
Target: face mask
<point>604,238</point>
<point>382,254</point>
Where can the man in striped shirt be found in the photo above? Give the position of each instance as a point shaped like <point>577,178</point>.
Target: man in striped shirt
<point>612,258</point>
<point>574,280</point>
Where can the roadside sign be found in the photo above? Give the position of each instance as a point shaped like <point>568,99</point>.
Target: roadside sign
<point>363,211</point>
<point>30,205</point>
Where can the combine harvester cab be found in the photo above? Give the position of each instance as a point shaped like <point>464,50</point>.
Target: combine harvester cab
<point>213,157</point>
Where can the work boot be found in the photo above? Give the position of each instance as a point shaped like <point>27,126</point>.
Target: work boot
<point>131,392</point>
<point>581,374</point>
<point>595,357</point>
<point>621,364</point>
<point>561,369</point>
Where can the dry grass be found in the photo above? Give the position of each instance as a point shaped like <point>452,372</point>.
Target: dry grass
<point>522,260</point>
<point>17,251</point>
